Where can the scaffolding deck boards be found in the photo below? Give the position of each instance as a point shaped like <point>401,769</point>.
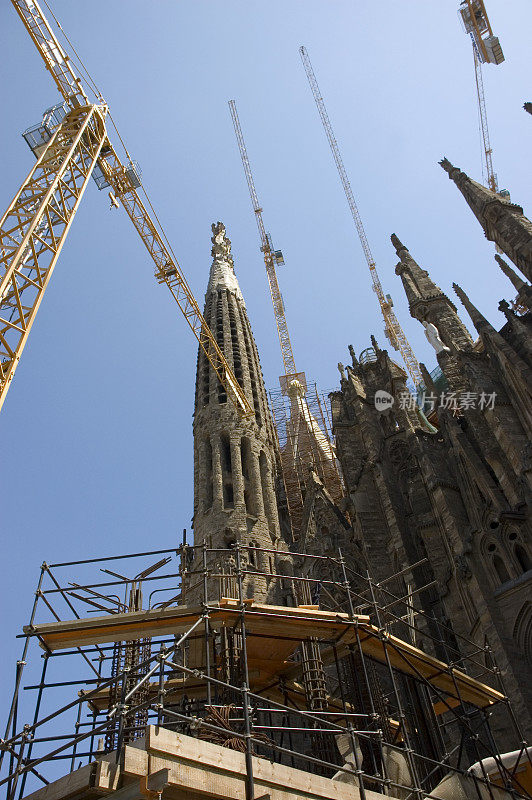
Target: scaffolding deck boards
<point>196,769</point>
<point>273,632</point>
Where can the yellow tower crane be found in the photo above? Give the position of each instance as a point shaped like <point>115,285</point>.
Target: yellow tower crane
<point>307,442</point>
<point>486,50</point>
<point>392,328</point>
<point>71,145</point>
<point>272,257</point>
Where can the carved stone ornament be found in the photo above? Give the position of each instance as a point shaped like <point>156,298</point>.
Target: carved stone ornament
<point>221,245</point>
<point>462,567</point>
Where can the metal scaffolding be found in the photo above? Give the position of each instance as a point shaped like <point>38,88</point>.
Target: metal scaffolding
<point>335,688</point>
<point>306,443</point>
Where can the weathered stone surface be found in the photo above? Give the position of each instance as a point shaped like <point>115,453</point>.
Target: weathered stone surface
<point>236,461</point>
<point>458,496</point>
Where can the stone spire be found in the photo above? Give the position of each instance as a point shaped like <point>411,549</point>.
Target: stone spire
<point>503,222</point>
<point>427,301</point>
<point>235,460</point>
<point>478,320</point>
<point>517,282</point>
<point>524,290</point>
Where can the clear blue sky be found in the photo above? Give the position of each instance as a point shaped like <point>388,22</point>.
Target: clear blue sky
<point>96,431</point>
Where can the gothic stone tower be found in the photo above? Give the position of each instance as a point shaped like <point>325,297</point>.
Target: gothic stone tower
<point>235,459</point>
<point>458,496</point>
<point>503,222</point>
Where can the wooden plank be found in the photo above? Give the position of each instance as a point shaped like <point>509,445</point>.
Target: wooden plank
<point>213,771</point>
<point>107,776</point>
<point>273,631</point>
<point>442,707</point>
<point>270,620</point>
<point>410,660</point>
<point>114,627</point>
<point>134,761</point>
<point>69,785</point>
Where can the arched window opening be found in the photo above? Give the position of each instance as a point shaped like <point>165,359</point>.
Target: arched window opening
<point>229,500</point>
<point>252,554</point>
<point>227,471</point>
<point>250,499</point>
<point>500,568</point>
<point>522,557</point>
<point>246,330</point>
<point>237,359</point>
<point>206,377</point>
<point>226,454</point>
<point>208,474</point>
<point>244,455</point>
<point>222,394</point>
<point>523,631</point>
<point>264,474</point>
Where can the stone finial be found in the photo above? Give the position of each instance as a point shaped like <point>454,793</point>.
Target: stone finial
<point>504,307</point>
<point>448,167</point>
<point>354,359</point>
<point>221,245</point>
<point>375,345</point>
<point>397,244</point>
<point>341,370</point>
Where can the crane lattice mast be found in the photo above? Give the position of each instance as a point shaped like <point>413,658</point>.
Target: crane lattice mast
<point>486,49</point>
<point>271,256</point>
<point>71,145</point>
<point>304,441</point>
<point>393,330</point>
<point>491,177</point>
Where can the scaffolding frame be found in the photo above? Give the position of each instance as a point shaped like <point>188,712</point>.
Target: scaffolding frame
<point>275,718</point>
<point>305,438</point>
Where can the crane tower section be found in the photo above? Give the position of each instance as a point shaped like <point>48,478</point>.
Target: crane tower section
<point>476,22</point>
<point>72,145</point>
<point>392,328</point>
<point>272,257</point>
<point>486,50</point>
<point>304,442</point>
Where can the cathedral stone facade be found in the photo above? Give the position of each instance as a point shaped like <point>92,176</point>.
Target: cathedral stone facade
<point>453,497</point>
<point>437,492</point>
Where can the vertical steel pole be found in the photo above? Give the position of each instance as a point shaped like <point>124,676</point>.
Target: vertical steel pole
<point>76,731</point>
<point>358,765</point>
<point>418,791</point>
<point>250,784</point>
<point>95,712</point>
<point>122,712</point>
<point>46,657</point>
<point>22,661</point>
<point>206,618</point>
<point>160,695</point>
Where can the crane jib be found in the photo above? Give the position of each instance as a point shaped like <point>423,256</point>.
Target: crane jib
<point>33,245</point>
